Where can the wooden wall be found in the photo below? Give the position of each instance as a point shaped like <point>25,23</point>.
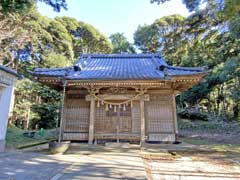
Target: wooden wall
<point>76,115</point>
<point>159,119</point>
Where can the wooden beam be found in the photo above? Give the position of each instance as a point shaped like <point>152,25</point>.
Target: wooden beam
<point>118,97</point>
<point>117,83</point>
<point>160,91</point>
<point>91,120</point>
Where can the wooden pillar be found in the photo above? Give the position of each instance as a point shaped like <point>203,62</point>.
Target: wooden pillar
<point>142,117</point>
<point>175,116</point>
<point>62,112</point>
<point>91,120</point>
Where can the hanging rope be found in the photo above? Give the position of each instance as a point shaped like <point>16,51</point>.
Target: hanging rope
<point>115,103</point>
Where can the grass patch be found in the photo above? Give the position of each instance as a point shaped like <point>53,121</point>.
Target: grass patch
<point>209,126</point>
<point>212,145</point>
<point>16,140</point>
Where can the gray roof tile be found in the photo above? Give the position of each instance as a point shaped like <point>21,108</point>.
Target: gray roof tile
<point>59,72</point>
<point>118,67</point>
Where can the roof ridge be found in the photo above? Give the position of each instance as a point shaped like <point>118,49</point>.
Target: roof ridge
<point>52,69</point>
<point>187,68</point>
<point>120,55</point>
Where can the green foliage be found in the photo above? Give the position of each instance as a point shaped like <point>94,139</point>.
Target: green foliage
<point>63,36</point>
<point>208,37</point>
<point>23,6</point>
<point>58,43</point>
<point>146,38</point>
<point>87,39</point>
<point>162,36</point>
<point>54,60</point>
<point>211,127</point>
<point>48,115</point>
<point>235,27</point>
<point>120,44</point>
<point>35,105</point>
<point>169,30</point>
<point>20,6</point>
<point>230,8</point>
<point>15,138</point>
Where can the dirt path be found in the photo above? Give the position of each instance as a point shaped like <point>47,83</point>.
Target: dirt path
<point>29,166</point>
<point>80,163</point>
<point>83,162</point>
<point>106,166</point>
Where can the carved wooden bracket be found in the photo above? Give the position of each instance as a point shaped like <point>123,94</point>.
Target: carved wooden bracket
<point>93,90</point>
<point>114,90</point>
<point>141,90</point>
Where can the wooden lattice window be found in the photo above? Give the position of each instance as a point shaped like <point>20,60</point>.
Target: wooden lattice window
<point>121,112</point>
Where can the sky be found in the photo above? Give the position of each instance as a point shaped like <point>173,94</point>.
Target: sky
<point>111,16</point>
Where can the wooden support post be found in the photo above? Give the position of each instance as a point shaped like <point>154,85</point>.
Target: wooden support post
<point>91,120</point>
<point>175,116</point>
<point>142,120</point>
<point>62,112</point>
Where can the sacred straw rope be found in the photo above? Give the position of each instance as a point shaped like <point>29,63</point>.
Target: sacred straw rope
<point>115,103</point>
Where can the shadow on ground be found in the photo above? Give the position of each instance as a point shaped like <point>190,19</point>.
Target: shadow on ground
<point>84,162</point>
<point>80,162</point>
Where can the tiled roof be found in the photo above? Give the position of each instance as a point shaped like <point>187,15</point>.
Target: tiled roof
<point>118,67</point>
<point>8,70</point>
<point>55,72</point>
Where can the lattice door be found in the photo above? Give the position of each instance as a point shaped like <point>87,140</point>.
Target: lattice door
<point>159,114</point>
<point>104,123</point>
<point>113,122</point>
<point>76,116</point>
<point>124,120</point>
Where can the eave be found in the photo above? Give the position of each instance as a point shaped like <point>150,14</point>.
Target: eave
<point>178,83</point>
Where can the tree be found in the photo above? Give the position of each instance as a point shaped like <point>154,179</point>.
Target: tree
<point>35,105</point>
<point>120,44</point>
<point>20,34</point>
<point>230,8</point>
<point>23,6</point>
<point>146,38</point>
<point>54,60</point>
<point>15,36</point>
<point>208,37</point>
<point>85,37</point>
<point>62,41</point>
<point>12,37</point>
<point>29,40</point>
<point>162,36</point>
<point>170,30</point>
